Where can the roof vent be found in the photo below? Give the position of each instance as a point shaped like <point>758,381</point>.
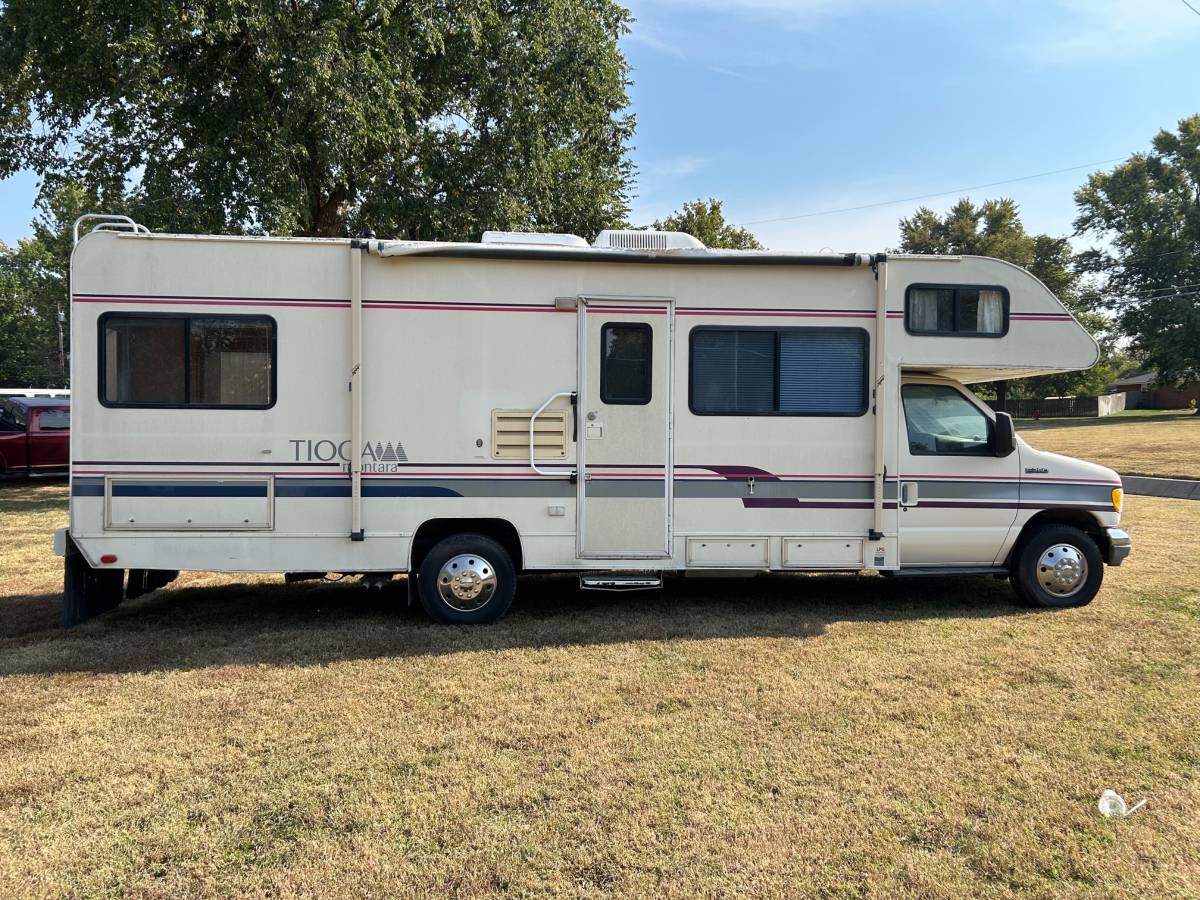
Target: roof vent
<point>531,237</point>
<point>633,239</point>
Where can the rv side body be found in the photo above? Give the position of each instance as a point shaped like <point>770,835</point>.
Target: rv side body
<point>651,465</point>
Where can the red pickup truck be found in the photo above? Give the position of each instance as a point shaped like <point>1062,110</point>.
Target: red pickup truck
<point>35,435</point>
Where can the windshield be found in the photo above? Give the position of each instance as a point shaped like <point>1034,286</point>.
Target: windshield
<point>942,421</point>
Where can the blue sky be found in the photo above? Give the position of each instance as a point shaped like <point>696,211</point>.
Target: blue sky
<point>788,107</point>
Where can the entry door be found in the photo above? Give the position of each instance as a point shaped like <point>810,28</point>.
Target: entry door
<point>957,500</point>
<point>624,446</point>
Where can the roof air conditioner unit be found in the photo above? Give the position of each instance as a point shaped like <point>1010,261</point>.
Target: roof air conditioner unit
<point>632,239</point>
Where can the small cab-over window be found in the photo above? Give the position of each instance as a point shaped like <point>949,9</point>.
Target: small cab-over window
<point>215,362</point>
<point>778,371</point>
<point>963,310</point>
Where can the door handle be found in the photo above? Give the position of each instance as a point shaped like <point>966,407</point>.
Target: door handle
<point>908,493</point>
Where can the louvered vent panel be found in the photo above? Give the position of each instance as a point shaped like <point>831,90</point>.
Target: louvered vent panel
<point>510,434</point>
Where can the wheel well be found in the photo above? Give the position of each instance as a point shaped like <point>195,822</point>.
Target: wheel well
<point>435,530</point>
<point>1076,518</point>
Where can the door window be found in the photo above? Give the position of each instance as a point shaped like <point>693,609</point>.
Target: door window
<point>625,374</point>
<point>941,421</point>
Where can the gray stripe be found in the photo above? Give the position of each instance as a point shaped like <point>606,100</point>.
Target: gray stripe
<point>620,487</point>
<point>1091,493</point>
<point>969,490</point>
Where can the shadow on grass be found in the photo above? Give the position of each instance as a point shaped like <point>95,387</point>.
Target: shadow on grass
<point>184,628</point>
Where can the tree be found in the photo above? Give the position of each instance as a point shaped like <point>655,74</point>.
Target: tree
<point>995,229</point>
<point>429,120</point>
<point>705,222</point>
<point>33,291</point>
<point>1148,209</point>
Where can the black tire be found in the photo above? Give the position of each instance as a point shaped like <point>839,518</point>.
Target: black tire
<point>88,592</point>
<point>483,556</point>
<point>1048,543</point>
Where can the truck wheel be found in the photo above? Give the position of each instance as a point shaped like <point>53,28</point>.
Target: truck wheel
<point>88,592</point>
<point>1057,567</point>
<point>467,579</point>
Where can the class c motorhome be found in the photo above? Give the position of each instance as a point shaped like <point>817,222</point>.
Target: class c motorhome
<point>465,412</point>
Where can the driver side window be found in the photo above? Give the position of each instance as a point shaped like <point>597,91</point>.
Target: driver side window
<point>942,422</point>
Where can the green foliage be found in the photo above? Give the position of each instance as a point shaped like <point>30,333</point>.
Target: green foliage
<point>33,289</point>
<point>1148,209</point>
<point>705,221</point>
<point>995,229</point>
<point>431,120</point>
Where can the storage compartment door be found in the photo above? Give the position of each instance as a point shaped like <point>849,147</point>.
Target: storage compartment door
<point>193,504</point>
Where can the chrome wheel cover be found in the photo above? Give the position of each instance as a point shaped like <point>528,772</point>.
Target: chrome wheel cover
<point>466,582</point>
<point>1062,570</point>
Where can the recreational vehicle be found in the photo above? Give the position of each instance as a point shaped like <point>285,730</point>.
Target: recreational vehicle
<point>639,405</point>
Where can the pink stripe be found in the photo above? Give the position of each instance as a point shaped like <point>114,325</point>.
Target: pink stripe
<point>172,302</point>
<point>830,314</point>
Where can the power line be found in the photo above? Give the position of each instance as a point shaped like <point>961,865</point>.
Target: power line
<point>1189,6</point>
<point>976,187</point>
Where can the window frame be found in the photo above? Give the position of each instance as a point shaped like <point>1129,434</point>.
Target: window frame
<point>775,413</point>
<point>957,289</point>
<point>640,326</point>
<point>187,318</point>
<point>989,451</point>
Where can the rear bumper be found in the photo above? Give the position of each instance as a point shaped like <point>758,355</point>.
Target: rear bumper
<point>1120,545</point>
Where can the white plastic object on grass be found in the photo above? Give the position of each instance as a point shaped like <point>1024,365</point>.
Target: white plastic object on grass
<point>1113,804</point>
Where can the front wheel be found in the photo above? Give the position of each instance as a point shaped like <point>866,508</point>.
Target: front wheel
<point>467,579</point>
<point>1057,567</point>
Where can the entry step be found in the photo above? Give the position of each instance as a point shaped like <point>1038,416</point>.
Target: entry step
<point>620,582</point>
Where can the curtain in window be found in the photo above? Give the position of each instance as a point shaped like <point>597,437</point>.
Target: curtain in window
<point>991,312</point>
<point>931,309</point>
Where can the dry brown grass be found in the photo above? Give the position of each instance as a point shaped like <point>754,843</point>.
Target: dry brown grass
<point>1165,444</point>
<point>776,737</point>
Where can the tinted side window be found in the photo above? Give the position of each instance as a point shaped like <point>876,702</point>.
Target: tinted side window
<point>143,360</point>
<point>183,361</point>
<point>230,362</point>
<point>54,419</point>
<point>732,372</point>
<point>626,373</point>
<point>778,372</point>
<point>931,309</point>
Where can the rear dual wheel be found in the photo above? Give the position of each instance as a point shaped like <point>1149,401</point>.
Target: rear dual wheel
<point>467,579</point>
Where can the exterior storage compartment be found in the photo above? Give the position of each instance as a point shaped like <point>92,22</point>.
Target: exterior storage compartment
<point>193,504</point>
<point>714,553</point>
<point>822,553</point>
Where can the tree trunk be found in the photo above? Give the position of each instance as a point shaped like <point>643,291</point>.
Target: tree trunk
<point>1002,396</point>
<point>329,218</point>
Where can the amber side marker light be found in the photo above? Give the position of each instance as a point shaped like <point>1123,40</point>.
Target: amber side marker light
<point>1118,496</point>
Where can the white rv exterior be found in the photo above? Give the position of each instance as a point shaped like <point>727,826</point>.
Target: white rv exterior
<point>248,404</point>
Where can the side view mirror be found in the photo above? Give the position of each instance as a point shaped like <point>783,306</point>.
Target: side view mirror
<point>1004,441</point>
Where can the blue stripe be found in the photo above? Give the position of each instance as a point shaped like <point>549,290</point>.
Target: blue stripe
<point>189,490</point>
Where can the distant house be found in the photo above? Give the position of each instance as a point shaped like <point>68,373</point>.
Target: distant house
<point>1142,391</point>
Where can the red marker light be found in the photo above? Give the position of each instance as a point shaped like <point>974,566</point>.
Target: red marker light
<point>108,558</point>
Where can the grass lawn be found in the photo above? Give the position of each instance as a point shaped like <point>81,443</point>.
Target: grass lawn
<point>847,736</point>
<point>1137,442</point>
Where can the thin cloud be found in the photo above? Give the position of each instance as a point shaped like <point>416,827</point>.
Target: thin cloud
<point>679,166</point>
